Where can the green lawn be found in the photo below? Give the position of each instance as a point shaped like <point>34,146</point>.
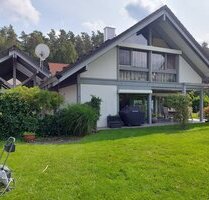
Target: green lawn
<point>147,163</point>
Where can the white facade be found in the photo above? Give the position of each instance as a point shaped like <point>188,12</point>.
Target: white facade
<point>105,67</point>
<point>69,93</point>
<point>187,74</point>
<point>108,94</point>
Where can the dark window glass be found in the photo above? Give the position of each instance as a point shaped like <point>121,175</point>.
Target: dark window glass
<point>158,61</point>
<point>158,42</point>
<point>124,57</point>
<point>171,61</point>
<point>139,59</point>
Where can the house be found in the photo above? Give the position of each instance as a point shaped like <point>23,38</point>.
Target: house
<point>150,60</point>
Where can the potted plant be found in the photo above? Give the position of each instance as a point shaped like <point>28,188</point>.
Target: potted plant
<point>29,136</point>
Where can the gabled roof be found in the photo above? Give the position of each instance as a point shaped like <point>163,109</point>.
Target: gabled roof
<point>56,67</point>
<point>8,54</point>
<point>107,45</point>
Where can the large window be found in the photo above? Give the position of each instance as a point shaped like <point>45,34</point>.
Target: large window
<point>124,57</point>
<point>134,66</point>
<point>163,67</point>
<point>139,59</point>
<point>133,58</point>
<point>162,61</point>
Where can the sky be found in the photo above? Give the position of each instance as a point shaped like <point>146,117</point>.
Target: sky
<point>91,15</point>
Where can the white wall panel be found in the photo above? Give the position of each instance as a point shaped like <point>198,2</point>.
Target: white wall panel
<point>69,93</point>
<point>108,94</point>
<point>187,74</point>
<point>104,67</point>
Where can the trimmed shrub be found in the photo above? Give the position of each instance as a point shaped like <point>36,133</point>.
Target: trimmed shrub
<point>15,115</point>
<point>78,120</point>
<point>21,108</point>
<point>41,101</point>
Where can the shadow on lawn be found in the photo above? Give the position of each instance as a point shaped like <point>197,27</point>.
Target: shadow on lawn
<point>116,134</point>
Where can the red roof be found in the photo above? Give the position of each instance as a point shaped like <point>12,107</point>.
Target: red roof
<point>56,67</point>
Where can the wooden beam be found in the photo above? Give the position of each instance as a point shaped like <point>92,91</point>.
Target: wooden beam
<point>28,79</point>
<point>27,72</point>
<point>8,85</point>
<point>14,71</point>
<point>150,36</point>
<point>34,80</point>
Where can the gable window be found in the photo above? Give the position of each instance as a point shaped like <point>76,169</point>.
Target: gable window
<point>139,59</point>
<point>124,57</point>
<point>158,42</point>
<point>137,39</point>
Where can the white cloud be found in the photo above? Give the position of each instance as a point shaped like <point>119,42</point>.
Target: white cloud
<point>138,9</point>
<point>94,25</point>
<point>19,10</point>
<point>149,5</point>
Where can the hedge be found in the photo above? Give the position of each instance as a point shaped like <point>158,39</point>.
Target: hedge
<point>22,107</point>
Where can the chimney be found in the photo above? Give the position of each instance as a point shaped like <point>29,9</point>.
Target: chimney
<point>109,33</point>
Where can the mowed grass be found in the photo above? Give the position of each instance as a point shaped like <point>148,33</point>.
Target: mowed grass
<point>145,163</point>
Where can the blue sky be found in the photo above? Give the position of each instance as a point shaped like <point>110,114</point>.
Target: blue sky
<point>84,16</point>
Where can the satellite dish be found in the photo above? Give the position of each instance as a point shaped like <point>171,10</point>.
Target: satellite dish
<point>42,51</point>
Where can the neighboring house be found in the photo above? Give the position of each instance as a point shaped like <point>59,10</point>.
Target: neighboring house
<point>18,68</point>
<point>154,58</point>
<point>56,67</point>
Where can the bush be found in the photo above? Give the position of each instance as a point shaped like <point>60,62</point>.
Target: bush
<point>181,105</point>
<point>21,108</point>
<point>95,103</point>
<point>195,98</point>
<point>15,113</point>
<point>41,101</point>
<point>77,120</point>
<point>50,125</point>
